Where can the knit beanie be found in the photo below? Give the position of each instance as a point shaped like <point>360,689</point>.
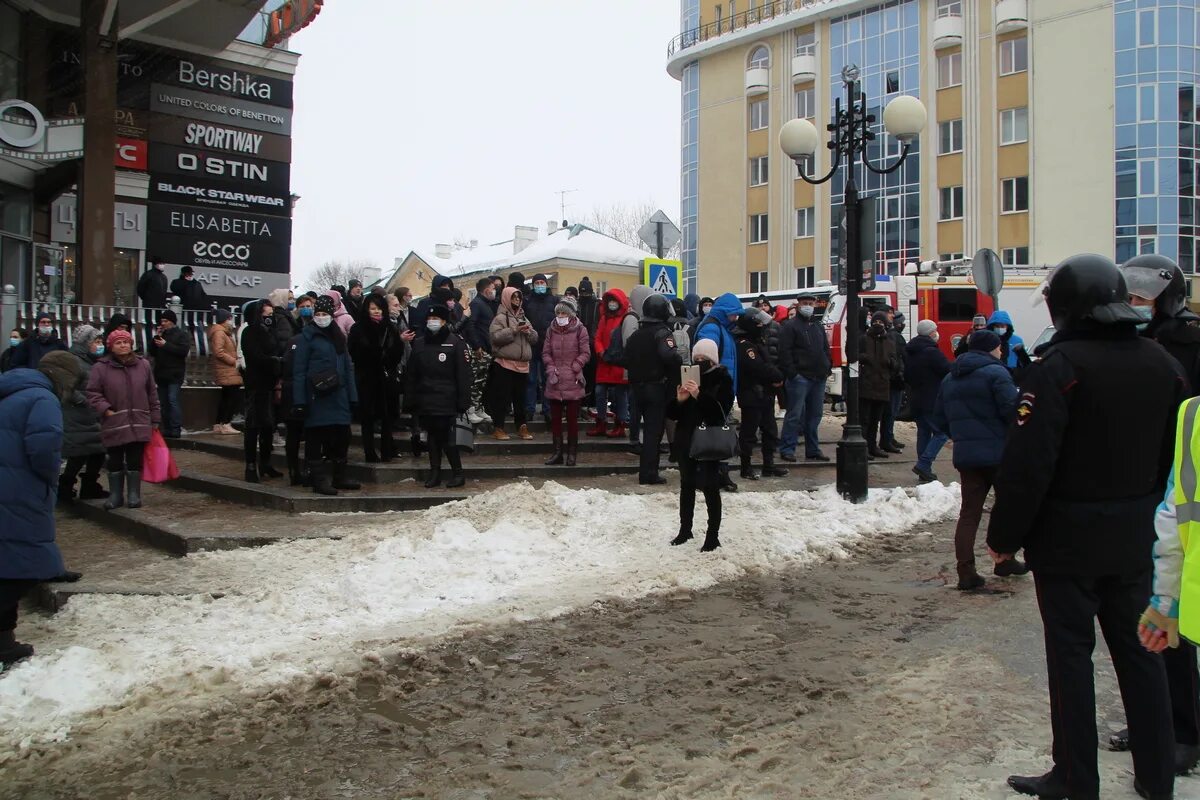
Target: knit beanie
<point>64,371</point>
<point>119,335</point>
<point>223,315</point>
<point>926,327</point>
<point>566,305</point>
<point>169,316</point>
<point>705,348</point>
<point>324,305</point>
<point>985,341</point>
<point>83,335</point>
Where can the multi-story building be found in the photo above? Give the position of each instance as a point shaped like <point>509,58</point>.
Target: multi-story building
<point>1055,126</point>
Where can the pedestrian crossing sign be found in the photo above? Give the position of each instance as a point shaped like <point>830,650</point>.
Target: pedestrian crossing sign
<point>662,276</point>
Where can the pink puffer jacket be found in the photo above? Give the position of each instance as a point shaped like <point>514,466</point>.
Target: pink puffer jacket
<point>565,353</point>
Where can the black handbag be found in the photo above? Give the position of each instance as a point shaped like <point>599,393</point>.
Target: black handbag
<point>325,383</point>
<point>710,443</point>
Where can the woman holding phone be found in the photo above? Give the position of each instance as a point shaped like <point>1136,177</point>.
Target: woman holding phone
<point>513,338</point>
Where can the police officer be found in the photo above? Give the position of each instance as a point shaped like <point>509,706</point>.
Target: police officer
<point>1158,293</point>
<point>1084,512</point>
<point>653,368</point>
<point>757,380</point>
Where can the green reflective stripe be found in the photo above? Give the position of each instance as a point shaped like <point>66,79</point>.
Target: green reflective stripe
<point>1185,476</point>
<point>1187,512</point>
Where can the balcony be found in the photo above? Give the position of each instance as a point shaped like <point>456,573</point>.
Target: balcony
<point>804,66</point>
<point>947,31</point>
<point>758,81</point>
<point>766,12</point>
<point>1011,15</point>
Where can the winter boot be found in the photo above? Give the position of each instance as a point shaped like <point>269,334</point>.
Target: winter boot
<point>711,542</point>
<point>133,482</point>
<point>725,483</point>
<point>523,433</point>
<point>617,432</point>
<point>748,471</point>
<point>456,479</point>
<point>340,481</point>
<point>684,536</point>
<point>295,477</point>
<point>90,488</point>
<point>12,651</point>
<point>875,452</point>
<point>321,475</point>
<point>499,435</point>
<point>116,491</point>
<point>265,470</point>
<point>769,468</point>
<point>572,452</point>
<point>369,454</point>
<point>599,428</point>
<point>557,456</point>
<point>251,474</point>
<point>66,490</point>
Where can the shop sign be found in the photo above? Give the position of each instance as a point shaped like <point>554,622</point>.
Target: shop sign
<point>246,172</point>
<point>21,135</point>
<point>214,194</point>
<point>129,223</point>
<point>229,82</point>
<point>242,113</point>
<point>234,226</point>
<point>216,251</point>
<point>240,284</point>
<point>210,136</point>
<point>131,154</point>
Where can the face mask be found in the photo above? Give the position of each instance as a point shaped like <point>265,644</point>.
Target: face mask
<point>44,330</point>
<point>323,321</point>
<point>562,321</point>
<point>539,290</point>
<point>1145,312</point>
<point>291,306</point>
<point>705,309</point>
<point>306,311</point>
<point>13,342</point>
<point>490,294</point>
<point>1000,330</point>
<point>99,351</point>
<point>805,311</point>
<point>614,306</point>
<point>434,325</point>
<point>268,321</point>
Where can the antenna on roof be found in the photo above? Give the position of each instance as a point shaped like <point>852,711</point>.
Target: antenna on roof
<point>562,203</point>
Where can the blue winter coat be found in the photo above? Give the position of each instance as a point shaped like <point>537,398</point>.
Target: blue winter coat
<point>315,354</point>
<point>924,367</point>
<point>717,328</point>
<point>977,401</point>
<point>31,432</point>
<point>1009,340</point>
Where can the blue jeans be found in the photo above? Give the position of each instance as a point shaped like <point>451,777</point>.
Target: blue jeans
<point>806,405</point>
<point>929,442</point>
<point>887,432</point>
<point>535,386</point>
<point>619,395</point>
<point>172,414</point>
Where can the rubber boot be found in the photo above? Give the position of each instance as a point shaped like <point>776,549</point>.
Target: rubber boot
<point>90,488</point>
<point>340,481</point>
<point>572,452</point>
<point>557,456</point>
<point>748,471</point>
<point>133,482</point>
<point>321,475</point>
<point>12,651</point>
<point>711,542</point>
<point>599,428</point>
<point>116,491</point>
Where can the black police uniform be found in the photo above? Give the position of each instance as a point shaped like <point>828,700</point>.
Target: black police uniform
<point>756,377</point>
<point>1083,508</point>
<point>652,363</point>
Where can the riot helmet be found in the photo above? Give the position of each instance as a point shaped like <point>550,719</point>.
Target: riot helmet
<point>1088,287</point>
<point>1159,279</point>
<point>656,307</point>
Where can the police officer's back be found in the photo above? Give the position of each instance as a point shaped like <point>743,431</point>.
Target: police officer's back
<point>757,379</point>
<point>1083,470</point>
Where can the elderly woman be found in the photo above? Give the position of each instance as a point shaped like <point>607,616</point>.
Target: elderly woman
<point>82,447</point>
<point>566,352</point>
<point>122,391</point>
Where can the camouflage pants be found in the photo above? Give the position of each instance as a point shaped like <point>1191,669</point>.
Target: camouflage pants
<point>480,362</point>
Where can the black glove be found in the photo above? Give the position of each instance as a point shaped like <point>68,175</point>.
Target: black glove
<point>299,411</point>
<point>67,577</point>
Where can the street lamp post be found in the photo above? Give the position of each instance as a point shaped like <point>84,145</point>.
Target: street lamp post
<point>851,132</point>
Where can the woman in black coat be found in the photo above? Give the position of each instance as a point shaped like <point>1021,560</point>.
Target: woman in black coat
<point>438,389</point>
<point>708,403</point>
<point>260,351</point>
<point>376,350</point>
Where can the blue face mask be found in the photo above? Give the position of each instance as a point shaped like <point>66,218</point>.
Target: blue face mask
<point>307,311</point>
<point>13,342</point>
<point>99,351</point>
<point>291,306</point>
<point>1145,312</point>
<point>539,290</point>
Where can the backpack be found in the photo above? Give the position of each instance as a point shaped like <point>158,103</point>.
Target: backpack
<point>615,352</point>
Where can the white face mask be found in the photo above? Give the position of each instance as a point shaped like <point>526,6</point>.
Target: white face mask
<point>614,306</point>
<point>322,320</point>
<point>45,330</point>
<point>564,321</point>
<point>805,311</point>
<point>705,309</point>
<point>1000,330</point>
<point>434,325</point>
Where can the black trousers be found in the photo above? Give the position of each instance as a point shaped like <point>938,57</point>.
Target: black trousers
<point>230,402</point>
<point>441,441</point>
<point>11,592</point>
<point>387,443</point>
<point>873,411</point>
<point>126,457</point>
<point>327,443</point>
<point>295,437</point>
<point>257,444</point>
<point>652,405</point>
<point>507,390</point>
<point>1184,684</point>
<point>91,466</point>
<point>705,476</point>
<point>1069,605</point>
<point>759,417</point>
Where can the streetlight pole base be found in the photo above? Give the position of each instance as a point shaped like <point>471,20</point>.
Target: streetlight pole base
<point>852,464</point>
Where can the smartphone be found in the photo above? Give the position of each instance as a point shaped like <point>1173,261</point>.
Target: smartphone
<point>689,372</point>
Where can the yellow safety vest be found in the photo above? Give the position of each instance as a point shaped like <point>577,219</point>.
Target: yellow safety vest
<point>1187,510</point>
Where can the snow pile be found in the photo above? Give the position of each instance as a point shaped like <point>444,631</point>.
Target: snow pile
<point>305,607</point>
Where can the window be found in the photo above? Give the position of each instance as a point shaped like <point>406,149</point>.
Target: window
<point>1014,56</point>
<point>893,82</point>
<point>600,287</point>
<point>806,103</point>
<point>956,305</point>
<point>1015,256</point>
<point>758,282</point>
<point>758,115</point>
<point>1147,21</point>
<point>950,137</point>
<point>951,203</point>
<point>949,8</point>
<point>806,222</point>
<point>1147,177</point>
<point>805,277</point>
<point>949,70</point>
<point>1014,195</point>
<point>1014,125</point>
<point>950,257</point>
<point>806,44</point>
<point>758,228</point>
<point>758,170</point>
<point>1146,246</point>
<point>10,52</point>
<point>760,58</point>
<point>717,17</point>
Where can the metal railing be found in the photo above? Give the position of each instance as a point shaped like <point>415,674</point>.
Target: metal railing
<point>762,13</point>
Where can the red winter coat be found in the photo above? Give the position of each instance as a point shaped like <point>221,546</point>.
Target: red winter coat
<point>130,393</point>
<point>609,321</point>
<point>565,353</point>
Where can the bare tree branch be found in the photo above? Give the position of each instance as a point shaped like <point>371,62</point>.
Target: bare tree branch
<point>339,273</point>
<point>622,221</point>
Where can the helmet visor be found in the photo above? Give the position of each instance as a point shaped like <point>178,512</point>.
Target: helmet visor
<point>1146,282</point>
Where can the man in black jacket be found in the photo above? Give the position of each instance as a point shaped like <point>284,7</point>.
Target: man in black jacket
<point>757,379</point>
<point>190,291</point>
<point>169,349</point>
<point>353,301</point>
<point>479,342</point>
<point>539,310</point>
<point>1083,510</point>
<point>806,364</point>
<point>651,361</point>
<point>152,290</point>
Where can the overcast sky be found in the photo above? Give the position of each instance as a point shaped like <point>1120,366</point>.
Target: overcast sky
<point>419,122</point>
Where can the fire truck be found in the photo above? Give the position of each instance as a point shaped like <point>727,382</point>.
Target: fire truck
<point>942,291</point>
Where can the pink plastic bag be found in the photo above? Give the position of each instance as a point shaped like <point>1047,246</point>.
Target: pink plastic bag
<point>158,465</point>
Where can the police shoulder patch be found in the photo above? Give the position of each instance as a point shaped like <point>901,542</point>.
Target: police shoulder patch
<point>1025,407</point>
<point>441,356</point>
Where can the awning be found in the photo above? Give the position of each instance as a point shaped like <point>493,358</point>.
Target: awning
<point>208,25</point>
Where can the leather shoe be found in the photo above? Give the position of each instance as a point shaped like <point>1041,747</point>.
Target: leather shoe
<point>1044,787</point>
<point>818,457</point>
<point>1144,792</point>
<point>788,457</point>
<point>887,448</point>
